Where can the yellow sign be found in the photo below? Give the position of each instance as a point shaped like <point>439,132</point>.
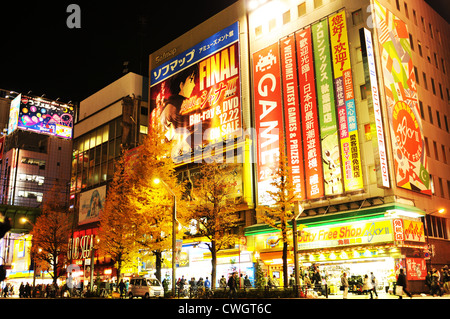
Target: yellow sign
<point>364,232</point>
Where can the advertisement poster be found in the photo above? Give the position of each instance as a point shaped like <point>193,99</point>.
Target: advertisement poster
<point>268,117</point>
<point>348,129</point>
<point>409,153</point>
<point>41,116</point>
<point>375,110</point>
<point>332,172</point>
<point>310,123</point>
<point>292,116</point>
<point>195,96</point>
<point>416,269</point>
<point>91,205</point>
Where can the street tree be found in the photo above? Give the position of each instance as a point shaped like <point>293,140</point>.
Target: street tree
<point>116,231</point>
<point>50,233</point>
<point>279,214</point>
<point>150,203</point>
<point>213,208</point>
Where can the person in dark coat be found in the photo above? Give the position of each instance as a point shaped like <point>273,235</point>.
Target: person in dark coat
<point>401,281</point>
<point>232,283</point>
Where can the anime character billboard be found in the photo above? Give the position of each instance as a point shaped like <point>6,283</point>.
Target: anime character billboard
<point>91,205</point>
<point>195,96</point>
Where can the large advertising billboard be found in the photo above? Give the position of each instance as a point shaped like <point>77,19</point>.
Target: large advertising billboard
<point>348,128</point>
<point>91,205</point>
<point>268,117</point>
<point>41,116</point>
<point>409,152</point>
<point>195,96</point>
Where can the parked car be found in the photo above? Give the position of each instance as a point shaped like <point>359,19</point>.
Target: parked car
<point>145,288</point>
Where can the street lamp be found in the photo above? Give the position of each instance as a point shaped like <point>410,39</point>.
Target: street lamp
<point>174,230</point>
<point>297,213</point>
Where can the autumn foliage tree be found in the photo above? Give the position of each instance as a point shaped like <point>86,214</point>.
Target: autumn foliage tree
<point>151,204</point>
<point>50,233</point>
<point>116,231</point>
<point>213,209</point>
<point>280,213</point>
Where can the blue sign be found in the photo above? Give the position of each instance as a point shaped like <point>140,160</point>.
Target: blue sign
<point>200,51</point>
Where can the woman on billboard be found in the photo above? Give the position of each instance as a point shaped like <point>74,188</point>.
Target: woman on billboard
<point>174,122</point>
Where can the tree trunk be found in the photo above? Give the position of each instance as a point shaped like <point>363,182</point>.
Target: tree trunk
<point>158,255</point>
<point>213,264</point>
<point>285,265</point>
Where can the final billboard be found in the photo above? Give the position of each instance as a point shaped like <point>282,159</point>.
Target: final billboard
<point>41,116</point>
<point>409,152</point>
<point>195,96</point>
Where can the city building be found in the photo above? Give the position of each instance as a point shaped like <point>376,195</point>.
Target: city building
<point>359,91</point>
<point>112,119</point>
<point>35,159</point>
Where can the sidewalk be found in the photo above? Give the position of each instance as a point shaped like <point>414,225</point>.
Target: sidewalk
<point>383,295</point>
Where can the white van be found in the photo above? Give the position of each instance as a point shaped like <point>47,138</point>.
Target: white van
<point>145,287</point>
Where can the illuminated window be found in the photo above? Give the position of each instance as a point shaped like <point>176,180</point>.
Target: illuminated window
<point>301,9</point>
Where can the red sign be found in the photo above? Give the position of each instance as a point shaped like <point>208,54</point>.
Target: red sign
<point>416,269</point>
<point>398,230</point>
<point>313,158</point>
<point>292,116</point>
<point>268,113</point>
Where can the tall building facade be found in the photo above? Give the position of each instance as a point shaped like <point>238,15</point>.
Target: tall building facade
<point>111,120</point>
<point>357,91</point>
<point>35,159</point>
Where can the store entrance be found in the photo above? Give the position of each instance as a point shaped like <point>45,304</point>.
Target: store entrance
<point>382,269</point>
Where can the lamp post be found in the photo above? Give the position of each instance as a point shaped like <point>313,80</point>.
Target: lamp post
<point>298,211</point>
<point>440,211</point>
<point>174,231</point>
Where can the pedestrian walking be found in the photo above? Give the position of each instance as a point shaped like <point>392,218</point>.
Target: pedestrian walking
<point>367,286</point>
<point>374,284</point>
<point>223,282</point>
<point>435,283</point>
<point>232,283</point>
<point>344,285</point>
<point>401,282</point>
<point>122,288</point>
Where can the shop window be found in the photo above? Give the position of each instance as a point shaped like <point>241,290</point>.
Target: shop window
<point>301,9</point>
<point>357,17</point>
<point>287,17</point>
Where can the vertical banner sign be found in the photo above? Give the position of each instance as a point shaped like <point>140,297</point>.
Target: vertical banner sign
<point>268,116</point>
<point>379,144</point>
<point>409,153</point>
<point>292,116</point>
<point>327,111</point>
<point>310,123</point>
<point>348,128</point>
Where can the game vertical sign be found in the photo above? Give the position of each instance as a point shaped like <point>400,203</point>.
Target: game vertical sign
<point>348,129</point>
<point>268,116</point>
<point>310,123</point>
<point>409,152</point>
<point>292,115</point>
<point>331,158</point>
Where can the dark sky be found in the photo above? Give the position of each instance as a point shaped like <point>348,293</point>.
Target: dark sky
<point>38,52</point>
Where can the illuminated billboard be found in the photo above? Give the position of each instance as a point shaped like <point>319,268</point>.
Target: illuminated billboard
<point>399,82</point>
<point>196,96</point>
<point>91,205</point>
<point>268,118</point>
<point>41,116</point>
<point>346,107</point>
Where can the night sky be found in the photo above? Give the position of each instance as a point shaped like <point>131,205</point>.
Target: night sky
<point>40,53</point>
